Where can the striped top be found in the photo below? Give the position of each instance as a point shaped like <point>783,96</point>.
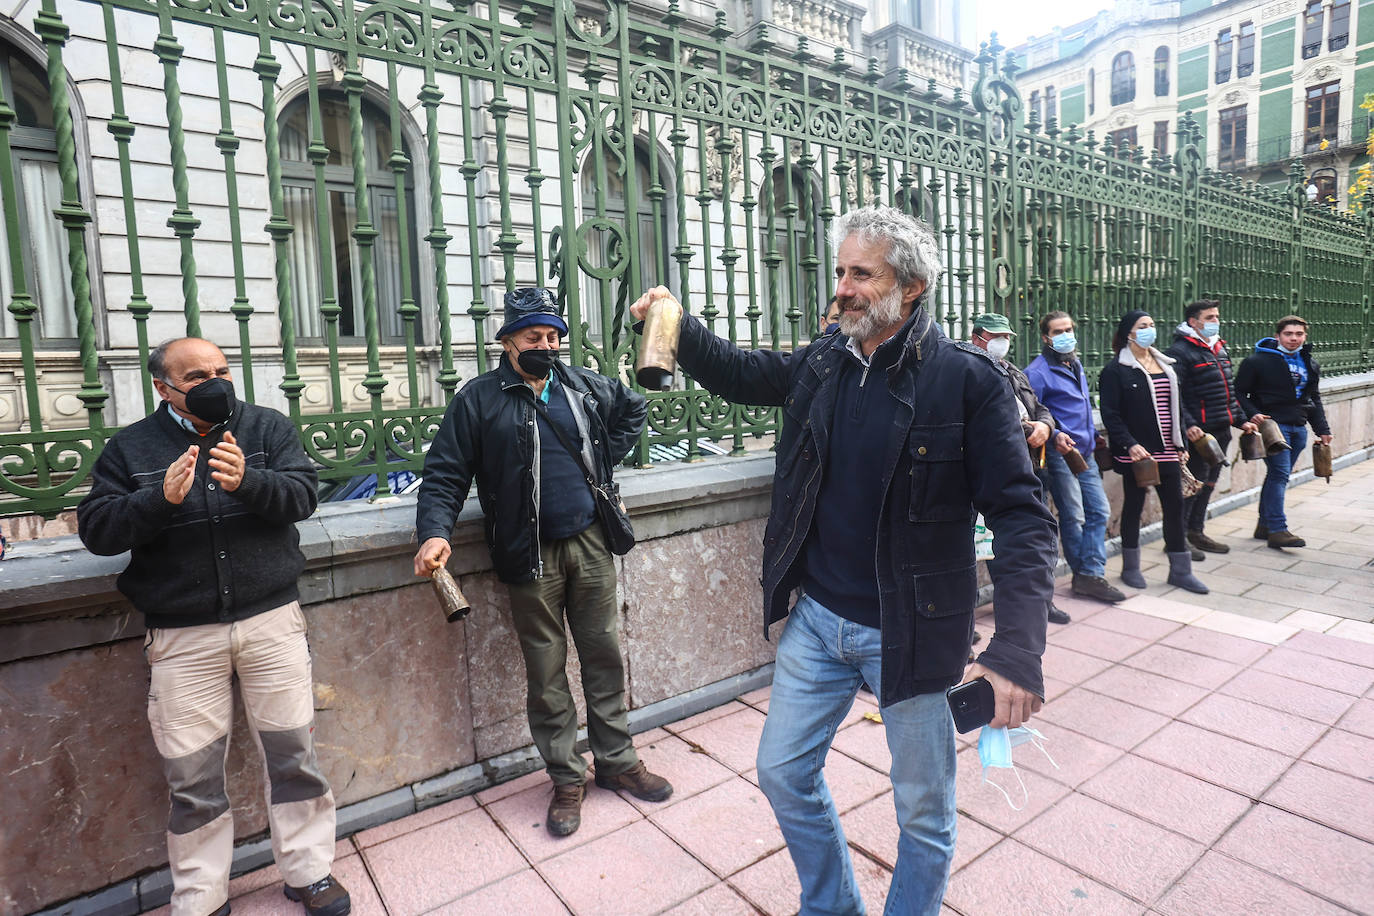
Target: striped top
<point>1165,414</point>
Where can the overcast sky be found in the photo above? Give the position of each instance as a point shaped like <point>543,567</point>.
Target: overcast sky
<point>1016,20</point>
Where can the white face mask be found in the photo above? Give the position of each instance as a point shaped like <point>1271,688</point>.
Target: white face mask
<point>998,347</point>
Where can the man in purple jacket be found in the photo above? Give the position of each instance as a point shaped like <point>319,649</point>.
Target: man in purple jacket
<point>1059,382</point>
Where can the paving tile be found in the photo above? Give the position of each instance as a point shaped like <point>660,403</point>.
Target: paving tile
<point>733,739</point>
<point>872,827</point>
<point>1360,719</point>
<point>717,900</point>
<point>1217,600</point>
<point>1333,647</point>
<point>393,829</point>
<point>866,742</point>
<point>1163,608</point>
<point>522,817</point>
<point>1287,695</point>
<point>1215,758</point>
<point>1344,752</point>
<point>1352,591</point>
<point>512,786</point>
<point>268,875</point>
<point>689,770</point>
<point>1283,578</point>
<point>1298,597</point>
<point>1247,626</point>
<point>633,870</point>
<point>1311,620</point>
<point>1167,797</point>
<point>523,892</point>
<point>1318,669</point>
<point>1072,667</point>
<point>756,696</point>
<point>1339,801</point>
<point>1118,849</point>
<point>1234,649</point>
<point>268,900</point>
<point>1256,724</point>
<point>1133,623</point>
<point>1141,688</point>
<point>985,804</point>
<point>1100,643</point>
<point>420,870</point>
<point>971,841</point>
<point>1180,665</point>
<point>1321,860</point>
<point>726,828</point>
<point>772,885</point>
<point>1354,630</point>
<point>1013,878</point>
<point>709,715</point>
<point>1078,756</point>
<point>1104,718</point>
<point>1220,884</point>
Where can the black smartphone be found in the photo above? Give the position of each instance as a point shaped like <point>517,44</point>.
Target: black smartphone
<point>972,705</point>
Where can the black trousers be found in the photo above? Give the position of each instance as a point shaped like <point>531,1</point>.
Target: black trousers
<point>1195,507</point>
<point>1170,492</point>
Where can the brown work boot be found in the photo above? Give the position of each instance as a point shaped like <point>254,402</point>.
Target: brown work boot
<point>1096,587</point>
<point>1202,542</point>
<point>565,811</point>
<point>1261,532</point>
<point>326,897</point>
<point>639,782</point>
<point>1280,539</point>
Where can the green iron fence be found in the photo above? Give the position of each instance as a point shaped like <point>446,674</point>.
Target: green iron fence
<point>569,144</point>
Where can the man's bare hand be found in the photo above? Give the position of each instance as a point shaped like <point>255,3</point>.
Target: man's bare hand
<point>1014,704</point>
<point>1039,434</point>
<point>1249,426</point>
<point>226,463</point>
<point>1194,433</point>
<point>176,483</point>
<point>641,306</point>
<point>1063,443</point>
<point>1326,440</point>
<point>432,554</point>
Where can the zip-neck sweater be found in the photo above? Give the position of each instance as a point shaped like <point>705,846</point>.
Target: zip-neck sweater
<point>218,556</point>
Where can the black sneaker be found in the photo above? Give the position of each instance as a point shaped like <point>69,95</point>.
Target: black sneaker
<point>1058,616</point>
<point>326,897</point>
<point>1097,588</point>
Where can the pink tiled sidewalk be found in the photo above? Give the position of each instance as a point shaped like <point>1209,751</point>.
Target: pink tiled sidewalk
<point>1201,773</point>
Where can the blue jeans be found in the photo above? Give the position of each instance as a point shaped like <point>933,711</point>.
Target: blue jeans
<point>822,658</point>
<point>1083,511</point>
<point>1276,480</point>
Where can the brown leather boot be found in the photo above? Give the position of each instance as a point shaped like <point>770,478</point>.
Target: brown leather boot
<point>1281,539</point>
<point>565,810</point>
<point>326,897</point>
<point>639,782</point>
<point>1202,542</point>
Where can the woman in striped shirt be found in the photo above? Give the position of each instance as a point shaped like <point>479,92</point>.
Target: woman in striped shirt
<point>1145,418</point>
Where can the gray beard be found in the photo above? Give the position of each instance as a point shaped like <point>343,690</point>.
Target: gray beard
<point>873,320</point>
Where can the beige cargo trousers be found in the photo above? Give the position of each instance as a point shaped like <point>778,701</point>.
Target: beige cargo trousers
<point>190,709</point>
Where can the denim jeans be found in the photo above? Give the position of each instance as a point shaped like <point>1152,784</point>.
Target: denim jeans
<point>822,658</point>
<point>1083,510</point>
<point>1276,480</point>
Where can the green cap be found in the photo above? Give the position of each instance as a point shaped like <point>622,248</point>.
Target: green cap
<point>993,322</point>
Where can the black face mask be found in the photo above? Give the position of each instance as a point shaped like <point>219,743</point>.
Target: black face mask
<point>212,400</point>
<point>537,363</point>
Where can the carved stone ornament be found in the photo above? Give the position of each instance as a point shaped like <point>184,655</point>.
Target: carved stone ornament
<point>1322,73</point>
<point>1122,119</point>
<point>1233,97</point>
<point>713,168</point>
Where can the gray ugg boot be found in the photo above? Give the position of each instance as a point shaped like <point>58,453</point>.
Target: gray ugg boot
<point>1130,567</point>
<point>1181,572</point>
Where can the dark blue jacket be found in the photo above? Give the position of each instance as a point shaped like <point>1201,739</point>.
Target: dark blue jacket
<point>1264,385</point>
<point>1066,396</point>
<point>956,448</point>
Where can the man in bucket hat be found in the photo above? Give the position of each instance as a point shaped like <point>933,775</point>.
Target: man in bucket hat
<point>546,543</point>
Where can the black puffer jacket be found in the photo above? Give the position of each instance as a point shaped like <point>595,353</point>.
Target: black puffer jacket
<point>1265,385</point>
<point>1206,382</point>
<point>489,432</point>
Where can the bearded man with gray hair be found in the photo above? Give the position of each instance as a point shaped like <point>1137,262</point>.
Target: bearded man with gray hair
<point>893,436</point>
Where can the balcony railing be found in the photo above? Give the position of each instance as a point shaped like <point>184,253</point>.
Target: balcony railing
<point>1348,134</point>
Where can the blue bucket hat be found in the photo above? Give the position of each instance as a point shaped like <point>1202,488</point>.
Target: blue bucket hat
<point>530,306</point>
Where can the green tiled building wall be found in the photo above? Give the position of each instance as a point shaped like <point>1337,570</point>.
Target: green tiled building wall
<point>1188,7</point>
<point>1072,104</point>
<point>1276,46</point>
<point>1275,116</point>
<point>1192,70</point>
<point>1365,29</point>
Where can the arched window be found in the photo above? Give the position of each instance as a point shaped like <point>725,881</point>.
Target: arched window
<point>1161,71</point>
<point>309,239</point>
<point>1034,111</point>
<point>1123,78</point>
<point>790,237</point>
<point>42,239</point>
<point>604,247</point>
<point>1051,104</point>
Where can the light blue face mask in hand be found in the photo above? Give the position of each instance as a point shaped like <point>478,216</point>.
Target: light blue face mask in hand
<point>994,750</point>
